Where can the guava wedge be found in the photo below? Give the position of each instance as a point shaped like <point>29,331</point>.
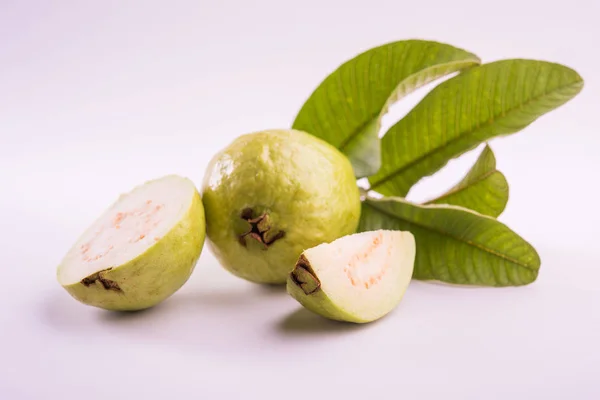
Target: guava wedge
<point>357,278</point>
<point>141,250</point>
<point>271,194</point>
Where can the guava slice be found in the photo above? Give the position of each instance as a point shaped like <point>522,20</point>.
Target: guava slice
<point>271,194</point>
<point>141,250</point>
<point>357,278</point>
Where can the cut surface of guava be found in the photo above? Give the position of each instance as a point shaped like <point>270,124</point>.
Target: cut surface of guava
<point>356,278</point>
<point>140,250</point>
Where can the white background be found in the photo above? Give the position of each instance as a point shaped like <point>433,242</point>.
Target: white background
<point>99,96</point>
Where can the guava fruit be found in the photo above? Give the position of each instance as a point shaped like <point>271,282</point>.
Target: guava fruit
<point>141,250</point>
<point>271,194</point>
<point>357,278</point>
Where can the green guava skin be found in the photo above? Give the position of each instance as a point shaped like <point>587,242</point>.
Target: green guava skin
<point>154,275</point>
<point>319,303</point>
<point>305,186</point>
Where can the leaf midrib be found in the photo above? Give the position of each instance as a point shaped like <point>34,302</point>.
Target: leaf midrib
<point>358,130</point>
<point>458,188</point>
<point>442,233</point>
<point>486,124</point>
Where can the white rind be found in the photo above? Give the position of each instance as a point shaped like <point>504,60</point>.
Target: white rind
<point>128,228</point>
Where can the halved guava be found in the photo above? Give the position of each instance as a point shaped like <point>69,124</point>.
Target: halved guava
<point>357,278</point>
<point>271,194</point>
<point>139,251</point>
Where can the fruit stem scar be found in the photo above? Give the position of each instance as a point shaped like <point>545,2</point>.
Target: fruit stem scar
<point>303,277</point>
<point>260,229</point>
<point>99,277</point>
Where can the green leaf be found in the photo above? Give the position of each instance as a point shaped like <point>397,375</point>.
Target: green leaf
<point>484,189</point>
<point>346,108</point>
<point>494,99</point>
<point>456,245</point>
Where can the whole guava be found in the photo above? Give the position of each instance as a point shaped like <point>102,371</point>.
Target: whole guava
<point>270,195</point>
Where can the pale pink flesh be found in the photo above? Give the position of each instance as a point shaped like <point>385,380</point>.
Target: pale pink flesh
<point>137,222</point>
<point>353,266</point>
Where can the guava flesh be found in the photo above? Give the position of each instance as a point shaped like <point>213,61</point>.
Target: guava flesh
<point>269,195</point>
<point>139,251</point>
<point>358,278</point>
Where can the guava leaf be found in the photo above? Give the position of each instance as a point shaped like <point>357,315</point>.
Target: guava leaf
<point>456,245</point>
<point>494,99</point>
<point>346,108</point>
<point>484,189</point>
